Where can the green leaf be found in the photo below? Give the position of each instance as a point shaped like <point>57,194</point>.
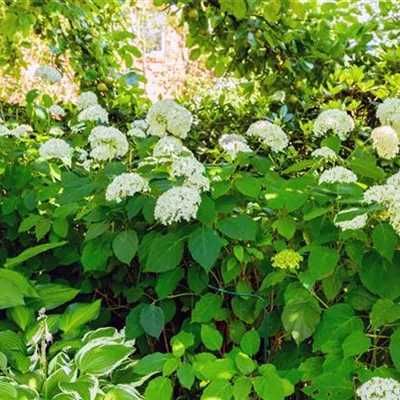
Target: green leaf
<point>239,228</point>
<point>181,342</point>
<point>186,376</point>
<point>211,337</point>
<point>125,246</point>
<point>381,276</point>
<point>269,386</point>
<point>244,363</point>
<point>205,247</point>
<point>219,389</point>
<point>317,212</point>
<point>60,227</point>
<point>242,388</point>
<point>31,252</point>
<point>97,229</point>
<point>394,348</point>
<point>206,213</point>
<point>21,315</point>
<point>286,226</point>
<point>355,344</point>
<point>8,391</point>
<point>168,281</point>
<point>42,228</point>
<point>3,361</point>
<point>206,308</point>
<point>52,295</point>
<point>385,240</point>
<point>272,279</point>
<point>95,255</point>
<point>28,223</point>
<point>322,261</point>
<point>383,312</point>
<point>133,329</point>
<point>151,363</point>
<point>250,342</point>
<point>249,186</point>
<point>165,253</point>
<point>159,388</point>
<point>78,314</point>
<point>152,320</point>
<point>19,281</point>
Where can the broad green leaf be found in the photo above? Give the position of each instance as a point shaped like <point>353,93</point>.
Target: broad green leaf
<point>384,311</point>
<point>250,342</point>
<point>165,253</point>
<point>181,342</point>
<point>205,247</point>
<point>152,320</point>
<point>211,337</point>
<point>95,255</point>
<point>32,252</point>
<point>269,386</point>
<point>19,281</point>
<point>220,389</point>
<point>244,363</point>
<point>355,344</point>
<point>168,281</point>
<point>286,226</point>
<point>170,366</point>
<point>385,240</point>
<point>78,314</point>
<point>242,227</point>
<point>42,228</point>
<point>380,276</point>
<point>21,315</point>
<point>186,376</point>
<point>97,229</point>
<point>133,329</point>
<point>322,261</point>
<point>125,246</point>
<point>272,279</point>
<point>3,361</point>
<point>151,363</point>
<point>206,308</point>
<point>159,388</point>
<point>242,388</point>
<point>8,391</point>
<point>394,348</point>
<point>61,227</point>
<point>249,186</point>
<point>52,295</point>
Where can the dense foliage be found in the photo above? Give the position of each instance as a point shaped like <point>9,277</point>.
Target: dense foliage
<point>227,248</point>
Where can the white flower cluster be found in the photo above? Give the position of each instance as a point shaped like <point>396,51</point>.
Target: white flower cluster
<point>56,131</point>
<point>379,389</point>
<point>4,131</point>
<point>139,128</point>
<point>93,113</point>
<point>325,153</point>
<point>357,222</point>
<point>49,74</point>
<point>57,110</point>
<point>86,100</point>
<point>388,113</point>
<point>126,185</point>
<point>338,175</point>
<point>177,204</point>
<point>385,141</point>
<point>168,146</point>
<point>269,134</point>
<point>192,170</point>
<point>20,131</point>
<point>234,144</point>
<point>337,121</point>
<point>387,195</point>
<point>56,149</point>
<point>166,116</point>
<point>107,143</point>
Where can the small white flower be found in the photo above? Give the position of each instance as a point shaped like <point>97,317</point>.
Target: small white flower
<point>378,194</point>
<point>21,131</point>
<point>379,389</point>
<point>126,185</point>
<point>192,170</point>
<point>86,100</point>
<point>199,182</point>
<point>140,124</point>
<point>107,143</point>
<point>136,132</point>
<point>49,74</point>
<point>324,152</point>
<point>357,222</point>
<point>234,144</point>
<point>82,154</point>
<point>168,146</point>
<point>388,113</point>
<point>166,116</point>
<point>177,204</point>
<point>269,134</point>
<point>57,110</point>
<point>4,131</point>
<point>385,141</point>
<point>337,121</point>
<point>56,131</point>
<point>56,149</point>
<point>93,113</point>
<point>338,175</point>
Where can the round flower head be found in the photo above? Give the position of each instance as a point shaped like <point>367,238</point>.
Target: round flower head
<point>388,113</point>
<point>49,74</point>
<point>57,110</point>
<point>168,146</point>
<point>379,389</point>
<point>56,149</point>
<point>378,194</point>
<point>269,134</point>
<point>177,204</point>
<point>337,121</point>
<point>324,152</point>
<point>234,144</point>
<point>168,116</point>
<point>140,124</point>
<point>21,131</point>
<point>357,222</point>
<point>86,100</point>
<point>338,175</point>
<point>126,185</point>
<point>93,113</point>
<point>4,131</point>
<point>192,170</point>
<point>136,132</point>
<point>107,143</point>
<point>287,259</point>
<point>394,180</point>
<point>385,141</point>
